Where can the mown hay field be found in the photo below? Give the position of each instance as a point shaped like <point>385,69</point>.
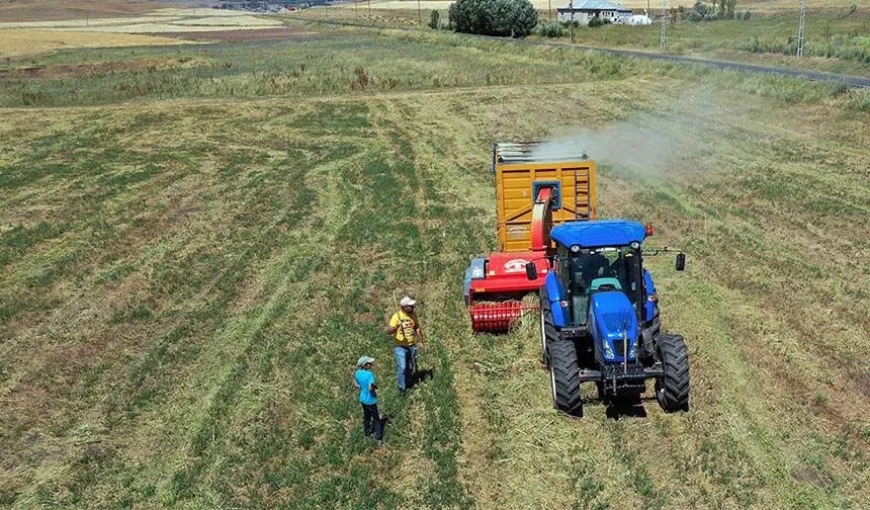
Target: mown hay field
<point>195,254</point>
<point>42,10</point>
<point>22,42</point>
<point>25,36</point>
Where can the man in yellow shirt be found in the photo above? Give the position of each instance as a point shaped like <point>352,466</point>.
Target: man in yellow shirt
<point>405,330</point>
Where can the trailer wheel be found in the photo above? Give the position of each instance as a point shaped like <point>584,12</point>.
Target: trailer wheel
<point>549,333</point>
<point>672,389</point>
<point>565,378</point>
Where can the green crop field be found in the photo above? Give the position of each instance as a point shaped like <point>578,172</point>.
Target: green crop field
<point>198,242</point>
<point>837,38</point>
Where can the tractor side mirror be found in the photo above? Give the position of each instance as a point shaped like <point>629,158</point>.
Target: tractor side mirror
<point>681,261</point>
<point>531,271</point>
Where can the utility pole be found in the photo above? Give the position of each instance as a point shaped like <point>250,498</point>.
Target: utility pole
<point>571,6</point>
<point>355,11</point>
<point>800,42</point>
<point>370,11</point>
<point>419,13</point>
<point>550,9</point>
<point>663,41</point>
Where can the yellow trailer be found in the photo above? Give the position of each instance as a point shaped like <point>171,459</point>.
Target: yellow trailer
<point>522,170</point>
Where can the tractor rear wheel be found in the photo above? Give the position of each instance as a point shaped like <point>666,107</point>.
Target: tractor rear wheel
<point>672,389</point>
<point>549,333</point>
<point>565,378</point>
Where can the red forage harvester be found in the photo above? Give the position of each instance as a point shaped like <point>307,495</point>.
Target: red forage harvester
<point>538,185</point>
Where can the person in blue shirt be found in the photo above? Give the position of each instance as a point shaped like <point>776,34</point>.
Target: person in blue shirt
<point>364,379</point>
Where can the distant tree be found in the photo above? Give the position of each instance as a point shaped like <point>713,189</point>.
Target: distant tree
<point>701,12</point>
<point>514,18</point>
<point>598,22</point>
<point>435,20</point>
<point>550,29</point>
<point>730,7</point>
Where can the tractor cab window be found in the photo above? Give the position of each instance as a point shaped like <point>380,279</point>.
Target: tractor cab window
<point>605,269</point>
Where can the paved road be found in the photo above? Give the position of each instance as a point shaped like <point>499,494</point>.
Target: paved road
<point>850,81</point>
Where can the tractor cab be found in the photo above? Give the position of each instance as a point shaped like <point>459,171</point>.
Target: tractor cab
<point>591,271</point>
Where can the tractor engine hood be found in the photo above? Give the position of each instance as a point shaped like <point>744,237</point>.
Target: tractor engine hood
<point>612,320</point>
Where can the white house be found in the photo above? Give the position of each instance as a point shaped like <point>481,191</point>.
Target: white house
<point>585,10</point>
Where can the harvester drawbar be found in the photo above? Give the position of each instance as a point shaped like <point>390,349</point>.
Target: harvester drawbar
<point>598,308</point>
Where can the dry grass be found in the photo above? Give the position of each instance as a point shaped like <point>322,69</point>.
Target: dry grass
<point>174,336</point>
<point>159,21</point>
<point>23,42</point>
<point>45,10</point>
<point>33,37</point>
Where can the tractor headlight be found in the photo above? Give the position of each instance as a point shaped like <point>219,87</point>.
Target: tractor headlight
<point>635,245</point>
<point>608,350</point>
<point>575,248</point>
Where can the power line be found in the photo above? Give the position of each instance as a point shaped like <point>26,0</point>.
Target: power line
<point>662,40</point>
<point>801,25</point>
<point>571,5</point>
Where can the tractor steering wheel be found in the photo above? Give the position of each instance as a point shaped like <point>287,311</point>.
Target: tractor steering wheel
<point>607,286</point>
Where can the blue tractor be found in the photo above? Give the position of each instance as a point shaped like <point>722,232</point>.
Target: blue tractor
<point>600,319</point>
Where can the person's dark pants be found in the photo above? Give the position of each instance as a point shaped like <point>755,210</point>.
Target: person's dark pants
<point>406,365</point>
<point>372,424</point>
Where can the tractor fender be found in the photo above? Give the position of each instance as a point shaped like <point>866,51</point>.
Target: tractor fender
<point>555,294</point>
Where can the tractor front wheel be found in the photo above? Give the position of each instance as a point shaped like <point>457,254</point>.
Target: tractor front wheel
<point>565,378</point>
<point>672,389</point>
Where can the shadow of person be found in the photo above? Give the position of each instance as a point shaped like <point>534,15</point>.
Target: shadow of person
<point>421,376</point>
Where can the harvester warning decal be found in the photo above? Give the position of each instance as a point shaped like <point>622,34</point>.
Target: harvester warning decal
<point>515,266</point>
